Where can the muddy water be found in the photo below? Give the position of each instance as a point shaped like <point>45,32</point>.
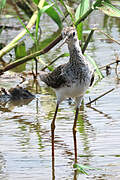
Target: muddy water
<point>25,131</point>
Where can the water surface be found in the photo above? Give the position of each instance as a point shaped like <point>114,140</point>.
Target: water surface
<point>25,129</point>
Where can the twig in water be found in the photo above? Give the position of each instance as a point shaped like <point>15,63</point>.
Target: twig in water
<point>31,56</point>
<point>107,35</point>
<point>102,67</point>
<point>100,96</point>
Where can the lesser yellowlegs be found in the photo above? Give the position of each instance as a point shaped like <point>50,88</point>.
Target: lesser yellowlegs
<point>71,79</point>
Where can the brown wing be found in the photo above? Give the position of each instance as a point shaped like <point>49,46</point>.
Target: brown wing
<point>55,79</point>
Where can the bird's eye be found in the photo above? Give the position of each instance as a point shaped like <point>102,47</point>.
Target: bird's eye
<point>73,33</point>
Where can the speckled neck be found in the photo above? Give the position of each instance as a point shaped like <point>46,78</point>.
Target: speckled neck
<point>75,52</point>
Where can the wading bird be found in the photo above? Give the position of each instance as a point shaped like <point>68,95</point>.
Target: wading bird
<point>71,79</point>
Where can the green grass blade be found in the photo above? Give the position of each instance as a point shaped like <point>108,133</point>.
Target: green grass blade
<point>26,29</point>
<point>69,10</point>
<point>20,51</point>
<point>82,168</point>
<point>109,9</point>
<point>37,23</point>
<point>84,6</point>
<point>81,10</point>
<point>57,7</point>
<point>88,12</point>
<point>54,15</point>
<point>80,31</point>
<point>71,13</point>
<point>36,1</point>
<point>40,12</point>
<point>99,73</point>
<point>108,1</point>
<point>46,7</point>
<point>2,4</point>
<point>77,13</point>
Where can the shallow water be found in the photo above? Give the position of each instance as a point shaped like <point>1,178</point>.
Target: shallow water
<point>25,129</point>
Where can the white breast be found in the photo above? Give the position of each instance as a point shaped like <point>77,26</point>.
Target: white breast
<point>75,90</point>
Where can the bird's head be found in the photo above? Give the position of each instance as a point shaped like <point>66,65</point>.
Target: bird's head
<point>69,35</point>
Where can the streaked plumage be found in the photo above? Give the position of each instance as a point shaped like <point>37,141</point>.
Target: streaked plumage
<point>73,78</point>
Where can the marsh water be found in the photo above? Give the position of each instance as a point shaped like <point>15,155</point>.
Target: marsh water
<point>25,129</point>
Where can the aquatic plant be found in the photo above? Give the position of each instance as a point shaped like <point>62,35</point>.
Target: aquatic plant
<point>53,10</point>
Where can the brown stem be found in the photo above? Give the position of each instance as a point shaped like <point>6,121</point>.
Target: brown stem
<point>100,96</point>
<point>115,62</point>
<point>31,56</point>
<point>112,39</point>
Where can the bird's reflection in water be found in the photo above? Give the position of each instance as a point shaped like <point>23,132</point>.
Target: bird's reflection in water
<point>75,146</point>
<point>53,154</point>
